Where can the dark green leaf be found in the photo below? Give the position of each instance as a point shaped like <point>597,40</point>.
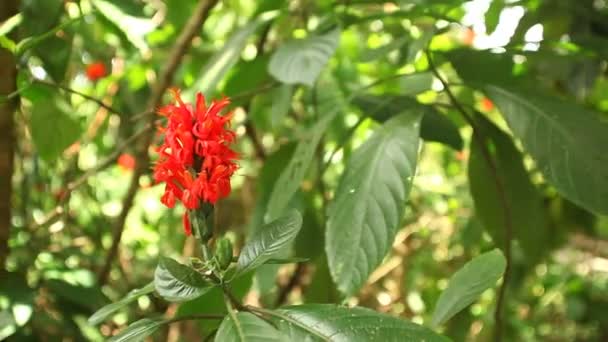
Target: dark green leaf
<point>139,330</point>
<point>370,200</point>
<point>291,177</point>
<point>103,313</point>
<point>525,204</point>
<point>326,322</point>
<point>268,241</point>
<point>468,284</point>
<point>565,140</point>
<point>301,61</point>
<point>434,126</point>
<point>247,76</point>
<point>53,129</point>
<point>86,299</point>
<point>246,327</point>
<point>285,261</point>
<point>178,283</point>
<point>480,67</point>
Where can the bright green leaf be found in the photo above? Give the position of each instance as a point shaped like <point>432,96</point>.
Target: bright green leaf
<point>370,200</point>
<point>468,284</point>
<point>246,327</point>
<point>565,140</point>
<point>268,241</point>
<point>301,61</point>
<point>327,322</point>
<point>134,28</point>
<point>178,283</point>
<point>103,313</point>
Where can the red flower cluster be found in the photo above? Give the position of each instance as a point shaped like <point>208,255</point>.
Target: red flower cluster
<point>96,71</point>
<point>196,161</point>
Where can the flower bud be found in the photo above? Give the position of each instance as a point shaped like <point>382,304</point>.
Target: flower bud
<point>223,253</point>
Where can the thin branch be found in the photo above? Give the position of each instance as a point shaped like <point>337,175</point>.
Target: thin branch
<point>195,317</point>
<point>183,42</point>
<point>73,91</point>
<point>293,282</point>
<point>480,138</point>
<point>56,213</point>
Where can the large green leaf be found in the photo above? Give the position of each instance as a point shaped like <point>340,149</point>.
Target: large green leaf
<point>139,330</point>
<point>103,313</point>
<point>369,201</point>
<point>268,241</point>
<point>434,127</point>
<point>246,327</point>
<point>53,129</point>
<point>327,322</point>
<point>224,59</point>
<point>301,61</point>
<point>566,141</point>
<point>178,283</point>
<point>524,202</point>
<point>468,284</point>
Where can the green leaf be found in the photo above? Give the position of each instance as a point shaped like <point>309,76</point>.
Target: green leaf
<point>247,75</point>
<point>369,202</point>
<point>525,204</point>
<point>277,261</point>
<point>327,322</point>
<point>482,67</point>
<point>268,241</point>
<point>434,126</point>
<point>8,326</point>
<point>468,284</point>
<point>178,283</point>
<point>105,312</point>
<point>224,59</point>
<point>492,15</point>
<point>301,61</point>
<point>293,174</point>
<point>377,53</point>
<point>134,28</point>
<point>53,129</point>
<point>565,140</point>
<point>139,330</point>
<point>246,327</point>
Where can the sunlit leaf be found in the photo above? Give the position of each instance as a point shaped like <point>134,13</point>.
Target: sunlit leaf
<point>468,283</point>
<point>139,330</point>
<point>105,312</point>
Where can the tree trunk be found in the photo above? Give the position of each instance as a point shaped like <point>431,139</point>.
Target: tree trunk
<point>8,76</point>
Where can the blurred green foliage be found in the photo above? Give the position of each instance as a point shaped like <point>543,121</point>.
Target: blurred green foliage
<point>311,82</point>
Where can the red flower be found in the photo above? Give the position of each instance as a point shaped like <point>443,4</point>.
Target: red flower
<point>196,161</point>
<point>126,161</point>
<point>96,71</point>
<point>487,105</point>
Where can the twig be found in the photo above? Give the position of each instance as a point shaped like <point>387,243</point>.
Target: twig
<point>73,91</point>
<point>194,317</point>
<point>293,282</point>
<point>190,30</point>
<point>480,139</point>
<point>52,216</point>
